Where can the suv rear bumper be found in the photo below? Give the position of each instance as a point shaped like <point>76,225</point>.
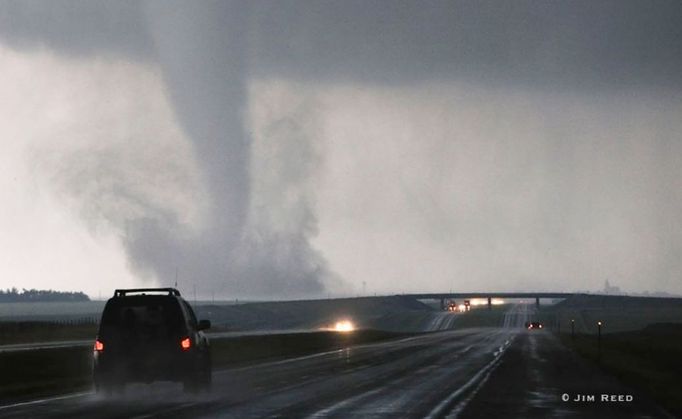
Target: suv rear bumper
<point>111,368</point>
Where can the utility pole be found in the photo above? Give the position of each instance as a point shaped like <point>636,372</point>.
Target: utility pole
<point>599,340</point>
<point>572,329</point>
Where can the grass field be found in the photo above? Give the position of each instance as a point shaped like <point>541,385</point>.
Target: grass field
<point>617,313</point>
<point>41,331</point>
<point>44,372</point>
<point>482,317</point>
<point>649,360</point>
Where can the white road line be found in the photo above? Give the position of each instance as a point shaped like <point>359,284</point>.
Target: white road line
<point>340,405</point>
<point>283,361</point>
<point>477,380</point>
<point>47,400</point>
<point>165,411</point>
<point>312,356</point>
<point>359,397</point>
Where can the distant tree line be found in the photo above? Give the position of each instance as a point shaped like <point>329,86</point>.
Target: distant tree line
<point>26,296</point>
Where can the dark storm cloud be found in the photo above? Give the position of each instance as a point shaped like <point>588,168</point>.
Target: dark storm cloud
<point>531,42</point>
<point>571,43</point>
<point>76,27</point>
<point>209,51</point>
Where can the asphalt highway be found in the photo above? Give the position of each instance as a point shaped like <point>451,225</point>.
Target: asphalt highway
<point>434,375</point>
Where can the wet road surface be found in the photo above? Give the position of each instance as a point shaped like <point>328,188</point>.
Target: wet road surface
<point>446,374</point>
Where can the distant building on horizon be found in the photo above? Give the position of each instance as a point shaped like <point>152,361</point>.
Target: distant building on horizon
<point>611,290</point>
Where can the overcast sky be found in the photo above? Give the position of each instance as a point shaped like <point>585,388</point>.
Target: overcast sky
<point>301,148</point>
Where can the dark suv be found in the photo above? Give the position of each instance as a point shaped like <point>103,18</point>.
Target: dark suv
<point>151,334</point>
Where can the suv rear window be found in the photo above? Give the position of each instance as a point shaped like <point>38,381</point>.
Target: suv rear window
<point>145,317</point>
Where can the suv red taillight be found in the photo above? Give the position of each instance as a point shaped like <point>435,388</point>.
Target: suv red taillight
<point>185,344</point>
<point>99,346</point>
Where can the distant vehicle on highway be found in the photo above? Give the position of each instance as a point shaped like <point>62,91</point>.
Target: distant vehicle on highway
<point>150,334</point>
<point>533,325</point>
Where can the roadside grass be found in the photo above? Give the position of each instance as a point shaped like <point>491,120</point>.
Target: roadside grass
<point>26,375</point>
<point>38,373</point>
<point>482,317</point>
<point>248,349</point>
<point>618,313</point>
<point>42,331</point>
<point>649,360</point>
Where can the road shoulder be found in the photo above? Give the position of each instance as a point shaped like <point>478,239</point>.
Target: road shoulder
<point>541,378</point>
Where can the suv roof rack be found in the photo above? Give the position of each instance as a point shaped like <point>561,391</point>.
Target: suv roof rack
<point>124,292</point>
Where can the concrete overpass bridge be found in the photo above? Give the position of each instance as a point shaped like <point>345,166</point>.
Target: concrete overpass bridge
<point>489,295</point>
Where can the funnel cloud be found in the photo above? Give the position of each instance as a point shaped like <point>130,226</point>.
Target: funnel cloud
<point>294,148</point>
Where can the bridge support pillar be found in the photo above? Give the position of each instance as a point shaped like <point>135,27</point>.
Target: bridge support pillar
<point>537,302</point>
<point>490,303</point>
